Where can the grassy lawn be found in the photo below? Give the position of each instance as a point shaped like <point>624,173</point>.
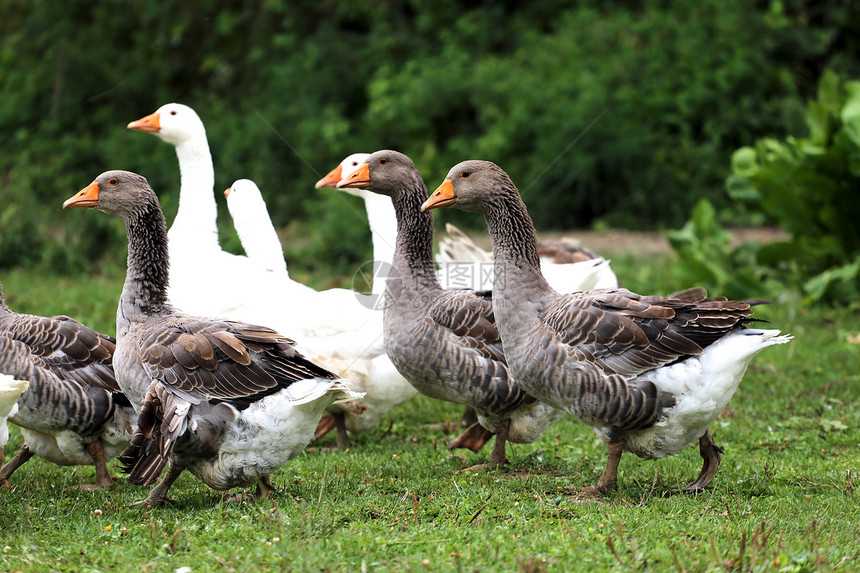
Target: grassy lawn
<point>784,499</point>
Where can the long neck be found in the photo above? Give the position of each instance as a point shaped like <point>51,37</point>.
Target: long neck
<point>515,245</point>
<point>260,241</point>
<point>413,251</point>
<point>383,232</point>
<point>197,213</point>
<point>145,289</point>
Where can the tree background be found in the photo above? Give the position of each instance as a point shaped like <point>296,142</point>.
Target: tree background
<point>613,113</point>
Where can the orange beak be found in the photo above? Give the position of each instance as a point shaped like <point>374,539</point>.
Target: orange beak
<point>441,197</point>
<point>358,179</point>
<point>227,191</point>
<point>86,197</point>
<point>331,179</point>
<point>150,123</point>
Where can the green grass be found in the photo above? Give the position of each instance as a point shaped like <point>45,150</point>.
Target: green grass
<point>784,499</point>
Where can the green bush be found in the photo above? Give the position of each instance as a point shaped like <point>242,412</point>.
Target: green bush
<point>705,258</point>
<point>808,186</point>
<point>620,112</point>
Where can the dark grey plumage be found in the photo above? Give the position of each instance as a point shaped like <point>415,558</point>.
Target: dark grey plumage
<point>230,402</point>
<point>445,342</point>
<point>70,349</point>
<point>64,421</point>
<point>602,355</point>
<point>76,383</point>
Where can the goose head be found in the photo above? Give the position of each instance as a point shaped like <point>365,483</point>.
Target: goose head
<point>347,166</point>
<point>343,169</point>
<point>173,122</point>
<point>119,193</point>
<point>244,197</point>
<point>385,172</point>
<point>470,186</point>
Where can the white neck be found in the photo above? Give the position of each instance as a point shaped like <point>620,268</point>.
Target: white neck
<point>197,213</point>
<point>383,231</point>
<point>260,241</point>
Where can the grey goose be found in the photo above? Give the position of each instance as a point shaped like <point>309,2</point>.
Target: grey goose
<point>74,412</point>
<point>228,401</point>
<point>648,373</point>
<point>445,342</point>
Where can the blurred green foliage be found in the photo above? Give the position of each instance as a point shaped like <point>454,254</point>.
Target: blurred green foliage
<point>622,113</point>
<point>705,257</point>
<point>808,186</point>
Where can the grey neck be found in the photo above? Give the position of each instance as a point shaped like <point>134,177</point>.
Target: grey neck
<point>145,290</point>
<point>413,250</point>
<point>515,244</point>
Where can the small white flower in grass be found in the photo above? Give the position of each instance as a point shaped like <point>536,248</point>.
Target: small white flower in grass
<point>97,512</point>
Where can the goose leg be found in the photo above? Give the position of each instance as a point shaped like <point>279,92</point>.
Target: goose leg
<point>710,453</point>
<point>329,422</point>
<point>158,494</point>
<point>265,489</point>
<point>498,457</point>
<point>16,462</point>
<point>469,417</point>
<point>342,438</point>
<point>325,426</point>
<point>610,473</point>
<point>103,477</point>
<point>473,438</point>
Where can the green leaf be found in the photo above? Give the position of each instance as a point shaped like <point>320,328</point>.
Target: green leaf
<point>829,91</point>
<point>818,286</point>
<point>820,123</point>
<point>851,112</point>
<point>745,162</point>
<point>740,188</point>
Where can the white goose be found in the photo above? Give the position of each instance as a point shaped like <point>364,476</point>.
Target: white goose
<point>195,254</point>
<point>254,226</point>
<point>357,354</point>
<point>380,216</point>
<point>336,328</point>
<point>566,265</point>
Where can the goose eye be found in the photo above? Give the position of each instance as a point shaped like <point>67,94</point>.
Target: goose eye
<point>383,161</point>
<point>112,181</point>
<point>465,174</point>
<point>173,112</point>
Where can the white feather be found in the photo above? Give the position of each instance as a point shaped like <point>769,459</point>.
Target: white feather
<point>703,386</point>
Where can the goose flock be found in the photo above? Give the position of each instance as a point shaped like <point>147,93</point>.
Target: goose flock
<point>225,366</point>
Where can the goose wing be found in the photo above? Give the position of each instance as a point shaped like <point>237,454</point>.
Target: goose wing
<point>68,348</point>
<point>468,315</point>
<point>628,334</point>
<point>225,361</point>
